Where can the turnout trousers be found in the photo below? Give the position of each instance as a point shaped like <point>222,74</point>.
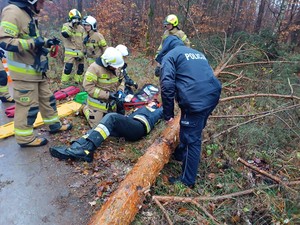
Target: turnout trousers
<point>189,148</point>
<point>30,98</point>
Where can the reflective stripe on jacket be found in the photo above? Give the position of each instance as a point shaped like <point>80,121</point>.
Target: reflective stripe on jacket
<point>15,39</point>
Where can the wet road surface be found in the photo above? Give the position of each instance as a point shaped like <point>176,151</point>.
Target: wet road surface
<point>35,188</point>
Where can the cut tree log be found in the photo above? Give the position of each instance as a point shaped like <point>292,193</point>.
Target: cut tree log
<point>125,202</point>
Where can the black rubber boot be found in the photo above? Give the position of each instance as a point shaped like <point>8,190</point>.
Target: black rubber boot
<point>82,153</point>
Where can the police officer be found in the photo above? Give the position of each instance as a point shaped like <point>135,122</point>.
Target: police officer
<point>27,63</point>
<point>103,85</point>
<point>94,41</point>
<point>132,128</point>
<point>73,33</point>
<point>4,95</point>
<point>187,77</point>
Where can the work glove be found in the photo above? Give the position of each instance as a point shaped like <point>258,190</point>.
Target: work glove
<point>39,42</point>
<point>157,71</point>
<point>113,95</point>
<point>130,82</point>
<point>120,102</point>
<point>2,54</point>
<point>53,41</point>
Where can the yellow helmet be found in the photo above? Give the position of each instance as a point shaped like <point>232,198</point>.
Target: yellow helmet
<point>171,19</point>
<point>74,14</point>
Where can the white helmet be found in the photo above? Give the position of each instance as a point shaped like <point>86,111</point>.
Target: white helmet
<point>123,49</point>
<point>89,20</point>
<point>112,57</point>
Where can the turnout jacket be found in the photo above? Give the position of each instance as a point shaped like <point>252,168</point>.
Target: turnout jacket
<point>95,45</point>
<point>177,32</point>
<point>99,81</point>
<point>73,39</point>
<point>187,77</point>
<point>17,32</point>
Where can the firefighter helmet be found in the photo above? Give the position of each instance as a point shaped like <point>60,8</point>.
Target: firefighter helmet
<point>171,19</point>
<point>74,14</point>
<point>112,57</point>
<point>123,49</point>
<point>89,20</point>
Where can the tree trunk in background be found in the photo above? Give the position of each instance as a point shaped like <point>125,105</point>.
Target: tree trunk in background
<point>79,5</point>
<point>260,16</point>
<point>125,202</point>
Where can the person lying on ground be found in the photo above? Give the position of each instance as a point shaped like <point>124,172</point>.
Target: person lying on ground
<point>132,127</point>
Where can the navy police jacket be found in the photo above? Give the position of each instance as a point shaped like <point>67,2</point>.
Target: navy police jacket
<point>187,77</point>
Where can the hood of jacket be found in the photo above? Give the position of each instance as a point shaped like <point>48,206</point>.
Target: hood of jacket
<point>168,44</point>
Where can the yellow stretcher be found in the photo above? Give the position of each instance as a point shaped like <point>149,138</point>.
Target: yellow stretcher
<point>63,110</point>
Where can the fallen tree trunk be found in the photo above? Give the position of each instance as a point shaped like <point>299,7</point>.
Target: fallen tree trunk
<point>125,202</point>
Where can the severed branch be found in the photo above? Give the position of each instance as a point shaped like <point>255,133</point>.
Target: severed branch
<point>206,212</point>
<point>259,95</point>
<point>248,121</point>
<point>274,178</point>
<point>219,197</point>
<point>254,63</point>
<point>163,210</point>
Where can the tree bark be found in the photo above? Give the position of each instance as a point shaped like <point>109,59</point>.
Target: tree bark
<point>126,201</point>
<point>260,16</point>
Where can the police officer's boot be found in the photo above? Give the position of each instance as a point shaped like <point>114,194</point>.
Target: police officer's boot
<point>76,151</point>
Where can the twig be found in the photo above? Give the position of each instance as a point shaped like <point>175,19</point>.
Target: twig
<point>282,120</point>
<point>274,178</point>
<point>206,212</point>
<point>292,90</point>
<point>248,121</point>
<point>253,63</point>
<point>219,197</point>
<point>163,210</point>
<point>259,95</point>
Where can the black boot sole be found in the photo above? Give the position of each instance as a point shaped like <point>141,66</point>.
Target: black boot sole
<point>57,154</point>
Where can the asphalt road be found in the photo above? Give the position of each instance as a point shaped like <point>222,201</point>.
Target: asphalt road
<point>35,188</point>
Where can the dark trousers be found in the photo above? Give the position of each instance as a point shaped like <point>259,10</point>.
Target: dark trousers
<point>123,126</point>
<point>189,148</point>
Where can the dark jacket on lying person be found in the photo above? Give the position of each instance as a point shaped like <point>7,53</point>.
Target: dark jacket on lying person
<point>132,128</point>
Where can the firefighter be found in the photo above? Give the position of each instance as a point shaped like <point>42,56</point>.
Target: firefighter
<point>187,77</point>
<point>4,94</point>
<point>132,128</point>
<point>73,33</point>
<point>103,85</point>
<point>94,42</point>
<point>172,28</point>
<point>27,63</point>
<point>123,71</point>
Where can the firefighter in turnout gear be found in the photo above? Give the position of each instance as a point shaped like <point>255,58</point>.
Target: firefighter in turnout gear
<point>4,95</point>
<point>73,33</point>
<point>94,42</point>
<point>103,85</point>
<point>171,24</point>
<point>27,63</point>
<point>132,128</point>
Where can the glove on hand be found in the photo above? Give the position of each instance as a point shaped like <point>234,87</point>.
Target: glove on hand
<point>113,95</point>
<point>39,42</point>
<point>53,41</point>
<point>2,54</point>
<point>157,71</point>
